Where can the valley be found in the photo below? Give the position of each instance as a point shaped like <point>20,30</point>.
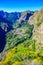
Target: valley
<point>21,38</point>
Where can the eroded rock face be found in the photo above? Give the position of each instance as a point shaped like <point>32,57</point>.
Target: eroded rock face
<point>37,20</point>
<point>25,16</point>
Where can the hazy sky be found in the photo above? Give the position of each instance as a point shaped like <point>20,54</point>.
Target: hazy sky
<point>20,5</point>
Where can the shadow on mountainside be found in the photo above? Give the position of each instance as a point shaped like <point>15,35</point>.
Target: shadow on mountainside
<point>2,39</point>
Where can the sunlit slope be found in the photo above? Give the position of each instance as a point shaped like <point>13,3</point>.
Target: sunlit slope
<point>37,21</point>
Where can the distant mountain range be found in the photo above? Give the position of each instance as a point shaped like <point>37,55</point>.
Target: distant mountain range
<point>8,19</point>
<point>12,17</point>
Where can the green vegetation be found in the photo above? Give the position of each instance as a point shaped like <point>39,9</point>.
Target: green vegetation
<point>24,54</point>
<point>18,35</point>
<point>23,45</point>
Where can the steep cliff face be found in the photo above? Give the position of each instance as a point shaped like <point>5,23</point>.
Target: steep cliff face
<point>37,21</point>
<point>25,16</point>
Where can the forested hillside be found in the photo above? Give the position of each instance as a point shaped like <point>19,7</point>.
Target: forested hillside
<point>24,41</point>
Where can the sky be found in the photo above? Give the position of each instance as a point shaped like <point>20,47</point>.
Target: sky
<point>20,5</point>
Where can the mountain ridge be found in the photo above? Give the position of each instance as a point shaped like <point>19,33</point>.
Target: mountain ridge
<point>24,43</point>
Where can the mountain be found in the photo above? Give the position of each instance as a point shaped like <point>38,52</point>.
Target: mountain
<point>7,20</point>
<point>25,16</point>
<point>5,24</point>
<point>22,44</point>
<point>37,21</point>
<point>18,35</point>
<point>12,17</point>
<point>9,23</point>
